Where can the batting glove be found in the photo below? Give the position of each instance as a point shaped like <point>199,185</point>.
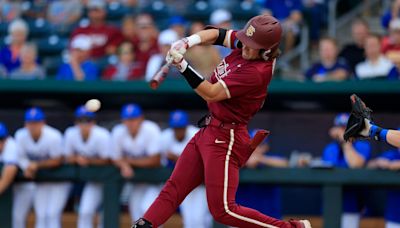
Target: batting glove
<point>176,59</point>
<point>182,45</point>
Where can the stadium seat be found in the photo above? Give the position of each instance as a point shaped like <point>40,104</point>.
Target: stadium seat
<point>199,11</point>
<point>51,64</point>
<point>245,11</point>
<point>39,28</point>
<point>116,11</point>
<point>158,10</point>
<point>52,45</point>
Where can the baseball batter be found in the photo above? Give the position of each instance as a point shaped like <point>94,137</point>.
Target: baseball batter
<point>236,92</point>
<point>8,157</point>
<point>173,141</point>
<point>136,145</point>
<point>40,147</point>
<point>87,144</point>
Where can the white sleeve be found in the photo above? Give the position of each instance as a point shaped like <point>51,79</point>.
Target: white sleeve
<point>153,145</point>
<point>23,160</point>
<point>104,146</point>
<point>68,148</point>
<point>116,147</point>
<point>164,142</point>
<point>153,66</point>
<point>10,153</point>
<point>56,149</point>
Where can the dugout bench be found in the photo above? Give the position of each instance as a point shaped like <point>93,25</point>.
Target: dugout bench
<point>331,181</point>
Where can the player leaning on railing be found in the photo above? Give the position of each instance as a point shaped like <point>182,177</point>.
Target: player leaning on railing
<point>235,93</point>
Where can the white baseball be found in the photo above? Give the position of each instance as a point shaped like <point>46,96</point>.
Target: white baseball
<point>93,105</point>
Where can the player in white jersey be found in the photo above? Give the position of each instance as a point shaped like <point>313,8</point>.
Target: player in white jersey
<point>39,147</point>
<point>87,144</point>
<point>194,208</point>
<point>8,157</point>
<point>136,145</point>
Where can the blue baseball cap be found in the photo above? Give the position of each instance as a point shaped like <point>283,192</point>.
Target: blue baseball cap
<point>178,119</point>
<point>3,131</point>
<point>341,119</point>
<point>82,112</point>
<point>131,111</point>
<point>253,132</point>
<point>34,114</point>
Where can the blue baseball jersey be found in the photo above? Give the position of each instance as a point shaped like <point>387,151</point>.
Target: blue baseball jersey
<point>392,209</point>
<point>333,154</point>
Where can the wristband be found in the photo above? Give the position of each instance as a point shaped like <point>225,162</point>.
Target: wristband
<point>377,133</point>
<point>192,77</point>
<point>193,40</point>
<point>221,37</point>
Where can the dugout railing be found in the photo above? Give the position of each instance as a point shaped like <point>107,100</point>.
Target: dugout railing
<point>330,180</point>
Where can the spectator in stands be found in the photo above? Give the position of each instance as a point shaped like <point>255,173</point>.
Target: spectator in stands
<point>178,24</point>
<point>394,73</point>
<point>79,68</point>
<point>315,12</point>
<point>210,55</point>
<point>354,52</point>
<point>351,155</point>
<point>146,43</point>
<point>9,10</point>
<point>264,198</point>
<point>129,31</point>
<point>390,160</point>
<point>222,18</point>
<point>165,39</point>
<point>391,44</point>
<point>3,72</point>
<point>136,145</point>
<point>330,67</point>
<point>64,13</point>
<point>86,144</point>
<point>289,13</point>
<point>391,14</point>
<point>104,38</point>
<point>8,158</point>
<point>376,64</point>
<point>10,55</point>
<point>29,69</point>
<point>126,68</point>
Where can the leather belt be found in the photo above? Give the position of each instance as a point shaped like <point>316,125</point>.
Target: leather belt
<point>212,121</point>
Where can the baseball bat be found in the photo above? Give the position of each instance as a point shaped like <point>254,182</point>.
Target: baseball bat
<point>159,77</point>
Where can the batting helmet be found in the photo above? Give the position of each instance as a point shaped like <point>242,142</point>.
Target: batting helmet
<point>261,32</point>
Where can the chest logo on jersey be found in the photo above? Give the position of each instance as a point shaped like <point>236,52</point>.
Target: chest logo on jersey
<point>250,31</point>
<point>222,70</point>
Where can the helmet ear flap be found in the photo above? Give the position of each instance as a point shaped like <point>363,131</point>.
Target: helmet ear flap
<point>265,54</point>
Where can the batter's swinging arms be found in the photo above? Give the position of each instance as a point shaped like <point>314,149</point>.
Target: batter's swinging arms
<point>236,92</point>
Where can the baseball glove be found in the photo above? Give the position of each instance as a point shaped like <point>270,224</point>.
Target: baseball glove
<point>359,120</point>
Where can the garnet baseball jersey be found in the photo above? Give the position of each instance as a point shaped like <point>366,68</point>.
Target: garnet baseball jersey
<point>101,37</point>
<point>245,82</point>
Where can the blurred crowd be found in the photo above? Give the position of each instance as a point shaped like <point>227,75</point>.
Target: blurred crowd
<point>137,142</point>
<point>128,39</point>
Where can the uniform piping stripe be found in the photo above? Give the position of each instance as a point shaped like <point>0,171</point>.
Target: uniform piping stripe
<point>226,177</point>
<point>225,87</point>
